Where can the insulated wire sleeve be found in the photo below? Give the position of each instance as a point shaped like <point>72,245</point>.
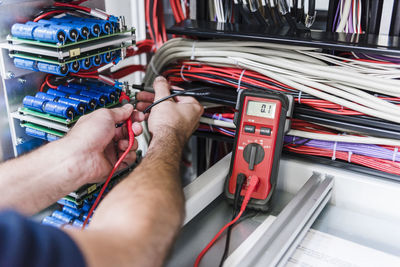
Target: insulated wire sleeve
<point>317,79</point>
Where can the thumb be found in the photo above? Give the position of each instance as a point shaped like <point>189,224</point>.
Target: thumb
<point>122,114</point>
<point>161,88</point>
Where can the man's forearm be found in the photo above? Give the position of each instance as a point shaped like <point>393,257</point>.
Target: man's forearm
<point>36,180</point>
<point>143,214</point>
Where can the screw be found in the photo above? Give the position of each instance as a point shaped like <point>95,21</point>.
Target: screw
<point>10,75</point>
<point>20,140</point>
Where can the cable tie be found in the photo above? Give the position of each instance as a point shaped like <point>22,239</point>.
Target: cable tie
<point>182,76</point>
<point>293,140</point>
<point>396,149</point>
<point>193,50</point>
<point>299,97</point>
<point>334,151</point>
<point>240,79</point>
<point>153,68</point>
<point>349,157</point>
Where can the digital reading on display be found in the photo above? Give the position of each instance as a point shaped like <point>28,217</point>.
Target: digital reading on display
<point>261,109</point>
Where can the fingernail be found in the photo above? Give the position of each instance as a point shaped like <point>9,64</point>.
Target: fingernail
<point>160,79</point>
<point>127,106</point>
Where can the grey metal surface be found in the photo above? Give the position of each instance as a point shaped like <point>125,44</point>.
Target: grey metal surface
<point>275,242</point>
<point>16,83</point>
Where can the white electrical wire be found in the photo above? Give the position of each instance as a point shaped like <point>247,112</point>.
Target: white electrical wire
<point>344,81</point>
<point>345,138</point>
<point>317,136</point>
<point>217,122</point>
<point>344,15</point>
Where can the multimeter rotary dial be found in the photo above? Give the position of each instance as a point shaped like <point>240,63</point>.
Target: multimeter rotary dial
<point>253,154</point>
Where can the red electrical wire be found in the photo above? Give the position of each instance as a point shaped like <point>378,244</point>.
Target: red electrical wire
<point>83,8</point>
<point>251,186</point>
<point>179,9</point>
<point>155,24</point>
<point>48,14</point>
<point>117,164</point>
<point>162,22</point>
<point>374,163</point>
<point>125,71</point>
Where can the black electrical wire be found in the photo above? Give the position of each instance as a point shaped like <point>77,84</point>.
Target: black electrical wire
<point>395,24</point>
<point>311,7</point>
<point>241,178</point>
<point>375,19</point>
<point>190,92</point>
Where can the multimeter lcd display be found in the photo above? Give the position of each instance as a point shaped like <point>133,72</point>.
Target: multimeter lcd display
<point>261,109</point>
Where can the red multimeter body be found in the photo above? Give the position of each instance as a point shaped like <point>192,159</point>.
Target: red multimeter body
<point>260,128</point>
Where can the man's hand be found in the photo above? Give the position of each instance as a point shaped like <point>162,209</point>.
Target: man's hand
<point>179,116</point>
<point>96,136</point>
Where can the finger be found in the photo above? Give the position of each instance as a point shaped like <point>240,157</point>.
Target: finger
<point>145,96</point>
<point>161,88</point>
<point>186,100</point>
<point>130,158</point>
<point>122,114</point>
<point>142,105</point>
<point>137,128</point>
<point>176,87</point>
<point>123,145</point>
<point>138,116</point>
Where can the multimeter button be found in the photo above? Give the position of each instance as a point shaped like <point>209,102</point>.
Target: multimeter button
<point>249,129</point>
<point>265,131</point>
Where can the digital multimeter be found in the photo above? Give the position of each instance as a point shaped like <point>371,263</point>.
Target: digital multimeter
<point>260,128</point>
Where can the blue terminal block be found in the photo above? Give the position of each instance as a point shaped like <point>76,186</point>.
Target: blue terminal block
<point>65,202</point>
<point>106,26</point>
<point>51,137</point>
<point>90,102</point>
<point>34,103</point>
<point>84,31</point>
<point>66,218</point>
<point>77,224</point>
<point>107,57</point>
<point>36,133</point>
<point>74,67</point>
<point>101,98</point>
<point>46,33</point>
<point>112,94</point>
<point>86,63</point>
<point>71,32</point>
<point>53,222</point>
<point>25,64</point>
<point>45,96</point>
<point>96,60</point>
<point>59,110</point>
<point>71,211</point>
<point>78,86</point>
<point>23,31</point>
<point>94,28</point>
<point>68,90</point>
<point>57,93</point>
<point>78,106</point>
<point>53,68</point>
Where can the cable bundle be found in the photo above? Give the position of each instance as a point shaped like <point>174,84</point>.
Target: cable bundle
<point>348,16</point>
<point>254,12</point>
<point>350,83</point>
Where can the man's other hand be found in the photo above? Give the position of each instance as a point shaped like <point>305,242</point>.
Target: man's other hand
<point>97,137</point>
<point>178,116</point>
